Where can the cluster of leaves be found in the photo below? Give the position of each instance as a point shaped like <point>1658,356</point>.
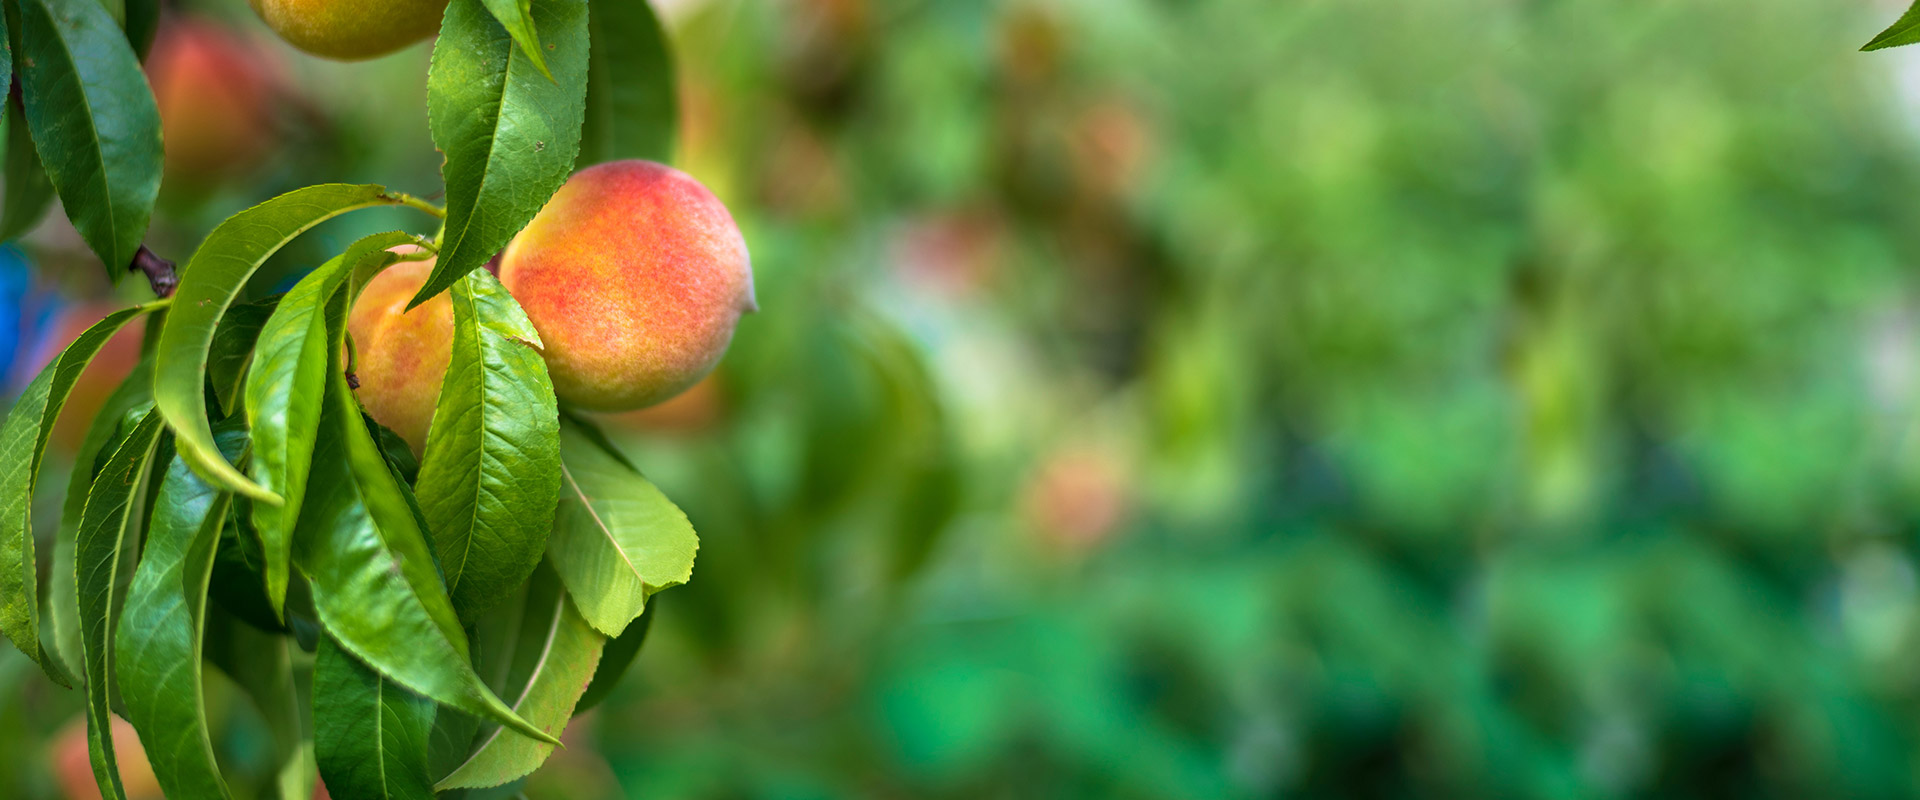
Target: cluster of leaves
<point>460,608</point>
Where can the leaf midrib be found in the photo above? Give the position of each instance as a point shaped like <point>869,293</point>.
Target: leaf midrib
<point>600,523</point>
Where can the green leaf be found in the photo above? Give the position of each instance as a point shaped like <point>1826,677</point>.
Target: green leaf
<point>509,133</point>
<point>232,349</point>
<point>555,655</point>
<point>262,665</point>
<point>491,475</point>
<point>93,121</point>
<point>216,273</point>
<point>619,655</point>
<point>162,632</point>
<point>141,23</point>
<point>616,539</point>
<point>135,394</point>
<point>28,192</point>
<point>23,442</point>
<point>284,391</point>
<point>1905,30</point>
<point>372,573</point>
<point>516,16</point>
<point>369,734</point>
<point>632,111</point>
<point>99,550</point>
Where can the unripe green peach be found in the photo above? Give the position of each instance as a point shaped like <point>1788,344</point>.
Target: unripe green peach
<point>400,356</point>
<point>351,30</point>
<point>634,275</point>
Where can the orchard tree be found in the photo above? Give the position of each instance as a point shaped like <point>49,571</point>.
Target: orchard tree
<point>385,466</point>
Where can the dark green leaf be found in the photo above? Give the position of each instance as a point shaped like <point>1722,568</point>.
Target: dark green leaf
<point>215,274</point>
<point>134,395</point>
<point>631,108</point>
<point>262,665</point>
<point>619,655</point>
<point>162,632</point>
<point>371,569</point>
<point>28,192</point>
<point>491,474</point>
<point>616,539</point>
<point>1905,30</point>
<point>99,551</point>
<point>232,349</point>
<point>554,655</point>
<point>6,54</point>
<point>516,16</point>
<point>284,392</point>
<point>23,441</point>
<point>93,121</point>
<point>369,734</point>
<point>509,132</point>
<point>141,23</point>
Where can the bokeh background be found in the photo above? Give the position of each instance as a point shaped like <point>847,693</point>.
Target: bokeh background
<point>1219,398</point>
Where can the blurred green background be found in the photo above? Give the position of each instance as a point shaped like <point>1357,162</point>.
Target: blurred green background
<point>1237,398</point>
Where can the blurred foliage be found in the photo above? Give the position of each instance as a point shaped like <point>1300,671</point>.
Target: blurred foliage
<point>1490,398</point>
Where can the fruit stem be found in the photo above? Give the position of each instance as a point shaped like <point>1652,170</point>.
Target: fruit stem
<point>415,202</point>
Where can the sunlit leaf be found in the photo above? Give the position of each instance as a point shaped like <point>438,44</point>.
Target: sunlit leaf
<point>616,539</point>
<point>112,509</point>
<point>491,474</point>
<point>371,569</point>
<point>23,442</point>
<point>509,133</point>
<point>212,278</point>
<point>162,631</point>
<point>284,391</point>
<point>554,656</point>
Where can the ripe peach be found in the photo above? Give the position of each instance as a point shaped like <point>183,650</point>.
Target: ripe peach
<point>215,93</point>
<point>351,30</point>
<point>634,275</point>
<point>400,355</point>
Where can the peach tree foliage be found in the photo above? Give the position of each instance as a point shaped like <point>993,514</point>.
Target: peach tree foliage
<point>232,503</point>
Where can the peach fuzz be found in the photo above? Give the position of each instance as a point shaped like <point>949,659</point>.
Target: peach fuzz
<point>635,276</point>
<point>351,30</point>
<point>401,356</point>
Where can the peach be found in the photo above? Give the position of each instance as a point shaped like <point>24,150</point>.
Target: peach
<point>635,276</point>
<point>215,93</point>
<point>351,30</point>
<point>400,356</point>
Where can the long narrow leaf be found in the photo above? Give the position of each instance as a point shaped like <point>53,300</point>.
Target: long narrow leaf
<point>556,656</point>
<point>510,133</point>
<point>94,122</point>
<point>23,441</point>
<point>632,111</point>
<point>491,475</point>
<point>284,390</point>
<point>99,551</point>
<point>213,277</point>
<point>516,16</point>
<point>374,583</point>
<point>162,632</point>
